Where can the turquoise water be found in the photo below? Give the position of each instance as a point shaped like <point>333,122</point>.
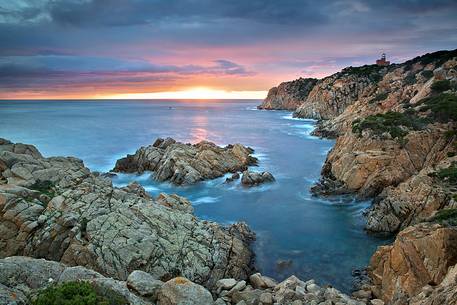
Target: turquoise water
<point>313,238</point>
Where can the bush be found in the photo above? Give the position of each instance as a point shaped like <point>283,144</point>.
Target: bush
<point>448,174</point>
<point>410,79</point>
<point>394,123</point>
<point>370,71</point>
<point>441,85</point>
<point>44,186</point>
<point>443,107</point>
<point>427,74</point>
<point>379,97</point>
<point>446,217</point>
<point>76,293</point>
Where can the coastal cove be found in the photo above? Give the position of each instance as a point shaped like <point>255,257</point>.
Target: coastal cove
<point>310,237</point>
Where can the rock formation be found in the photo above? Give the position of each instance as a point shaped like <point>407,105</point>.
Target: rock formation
<point>288,95</point>
<point>255,178</point>
<point>182,163</point>
<point>55,208</point>
<point>420,256</point>
<point>23,278</point>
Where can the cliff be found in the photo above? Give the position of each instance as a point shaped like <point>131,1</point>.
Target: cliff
<point>288,95</point>
<point>396,142</point>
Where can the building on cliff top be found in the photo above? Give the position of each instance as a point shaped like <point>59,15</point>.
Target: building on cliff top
<point>382,61</point>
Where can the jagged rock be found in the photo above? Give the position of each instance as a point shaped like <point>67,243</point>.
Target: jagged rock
<point>185,163</point>
<point>136,188</point>
<point>420,255</point>
<point>254,178</point>
<point>174,201</point>
<point>288,95</point>
<point>113,231</point>
<point>332,95</point>
<point>259,281</point>
<point>181,291</point>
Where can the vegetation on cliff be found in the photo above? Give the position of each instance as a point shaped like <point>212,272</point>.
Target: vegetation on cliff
<point>446,217</point>
<point>443,107</point>
<point>397,124</point>
<point>77,293</point>
<point>370,71</point>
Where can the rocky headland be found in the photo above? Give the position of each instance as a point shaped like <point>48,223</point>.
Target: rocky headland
<point>396,130</point>
<point>288,95</point>
<point>185,164</point>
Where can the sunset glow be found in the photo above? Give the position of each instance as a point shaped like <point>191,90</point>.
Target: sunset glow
<point>194,93</point>
<point>199,49</point>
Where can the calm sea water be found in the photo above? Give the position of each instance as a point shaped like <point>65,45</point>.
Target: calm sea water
<point>296,232</point>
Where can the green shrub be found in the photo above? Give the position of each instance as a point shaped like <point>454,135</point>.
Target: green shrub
<point>379,97</point>
<point>394,123</point>
<point>448,174</point>
<point>410,79</point>
<point>370,71</point>
<point>443,107</point>
<point>77,293</point>
<point>44,186</point>
<point>446,217</point>
<point>427,74</point>
<point>441,85</point>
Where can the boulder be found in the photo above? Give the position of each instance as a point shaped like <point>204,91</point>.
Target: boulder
<point>255,178</point>
<point>144,284</point>
<point>176,202</point>
<point>181,291</point>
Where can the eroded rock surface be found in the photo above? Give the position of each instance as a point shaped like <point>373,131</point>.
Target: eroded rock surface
<point>421,255</point>
<point>55,208</point>
<point>182,163</point>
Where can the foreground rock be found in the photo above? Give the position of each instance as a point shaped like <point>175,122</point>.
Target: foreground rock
<point>288,95</point>
<point>22,278</point>
<point>55,208</point>
<point>255,178</point>
<point>421,255</point>
<point>186,163</point>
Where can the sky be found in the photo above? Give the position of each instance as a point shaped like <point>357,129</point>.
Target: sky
<point>203,48</point>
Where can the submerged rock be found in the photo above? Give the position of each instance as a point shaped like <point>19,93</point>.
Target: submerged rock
<point>186,163</point>
<point>55,208</point>
<point>255,178</point>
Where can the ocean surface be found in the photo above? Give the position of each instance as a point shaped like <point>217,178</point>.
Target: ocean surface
<point>296,232</point>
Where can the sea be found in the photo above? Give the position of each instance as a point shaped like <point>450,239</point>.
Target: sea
<point>297,233</point>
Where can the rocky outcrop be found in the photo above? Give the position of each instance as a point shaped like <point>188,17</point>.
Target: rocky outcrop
<point>421,255</point>
<point>332,95</point>
<point>288,95</point>
<point>255,178</point>
<point>182,163</point>
<point>388,146</point>
<point>55,208</point>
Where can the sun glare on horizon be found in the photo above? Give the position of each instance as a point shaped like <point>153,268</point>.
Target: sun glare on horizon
<point>200,93</point>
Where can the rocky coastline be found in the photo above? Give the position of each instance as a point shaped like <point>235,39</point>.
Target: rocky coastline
<point>62,226</point>
<point>396,143</point>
